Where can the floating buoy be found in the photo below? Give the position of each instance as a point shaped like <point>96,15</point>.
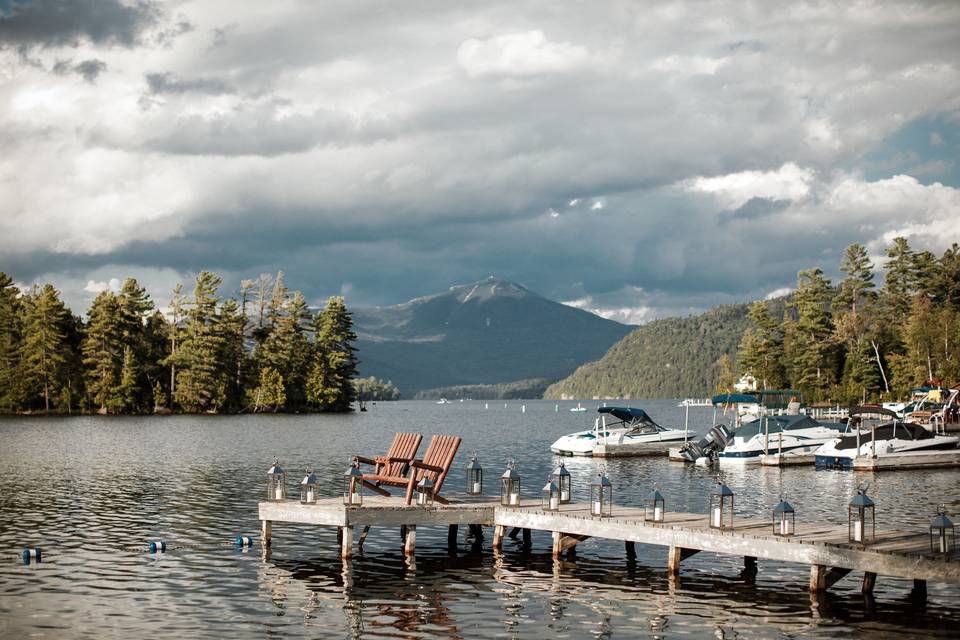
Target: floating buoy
<point>244,542</point>
<point>32,554</point>
<point>556,408</point>
<point>523,408</point>
<point>158,546</point>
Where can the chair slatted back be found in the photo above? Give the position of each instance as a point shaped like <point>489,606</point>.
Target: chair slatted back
<point>440,453</point>
<point>405,447</point>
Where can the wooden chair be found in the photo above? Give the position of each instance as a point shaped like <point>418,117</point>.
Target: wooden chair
<point>399,457</point>
<point>435,465</point>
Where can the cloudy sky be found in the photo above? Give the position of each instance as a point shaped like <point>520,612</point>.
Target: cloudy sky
<point>638,158</point>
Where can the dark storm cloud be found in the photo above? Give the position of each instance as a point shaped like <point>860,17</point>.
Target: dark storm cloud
<point>57,23</point>
<point>88,69</point>
<point>169,83</point>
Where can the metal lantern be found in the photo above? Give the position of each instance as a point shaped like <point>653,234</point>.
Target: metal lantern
<point>561,477</point>
<point>276,482</point>
<point>425,492</point>
<point>550,496</point>
<point>653,506</point>
<point>353,485</point>
<point>784,519</point>
<point>308,488</point>
<point>943,537</point>
<point>721,506</point>
<point>474,477</point>
<point>861,518</point>
<point>510,487</point>
<point>601,496</point>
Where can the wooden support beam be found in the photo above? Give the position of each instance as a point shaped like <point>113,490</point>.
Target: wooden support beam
<point>410,544</point>
<point>566,542</point>
<point>749,563</point>
<point>526,538</point>
<point>869,581</point>
<point>556,543</point>
<point>514,533</point>
<point>631,548</point>
<point>266,532</point>
<point>822,577</point>
<point>363,536</point>
<point>476,530</point>
<point>403,533</point>
<point>346,544</point>
<point>498,536</point>
<point>919,590</point>
<point>452,535</point>
<point>676,555</point>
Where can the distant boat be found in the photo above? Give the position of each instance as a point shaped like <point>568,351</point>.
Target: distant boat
<point>578,408</point>
<point>443,401</point>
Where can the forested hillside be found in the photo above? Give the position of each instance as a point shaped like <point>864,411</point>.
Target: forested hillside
<point>666,358</point>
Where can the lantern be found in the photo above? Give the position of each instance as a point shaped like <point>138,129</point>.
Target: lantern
<point>601,496</point>
<point>510,487</point>
<point>425,492</point>
<point>561,477</point>
<point>943,537</point>
<point>861,518</point>
<point>721,506</point>
<point>784,519</point>
<point>474,477</point>
<point>653,506</point>
<point>308,488</point>
<point>353,485</point>
<point>550,496</point>
<point>276,482</point>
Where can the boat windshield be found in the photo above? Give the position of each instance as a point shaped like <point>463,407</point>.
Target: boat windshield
<point>776,424</point>
<point>886,431</point>
<point>636,419</point>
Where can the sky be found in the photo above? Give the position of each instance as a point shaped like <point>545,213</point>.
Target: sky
<point>638,159</point>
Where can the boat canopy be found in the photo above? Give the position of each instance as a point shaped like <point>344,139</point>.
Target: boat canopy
<point>872,411</point>
<point>901,430</point>
<point>629,415</point>
<point>776,424</point>
<point>734,398</point>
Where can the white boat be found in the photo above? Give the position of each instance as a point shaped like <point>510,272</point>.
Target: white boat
<point>784,435</point>
<point>633,429</point>
<point>578,408</point>
<point>443,401</point>
<point>889,440</point>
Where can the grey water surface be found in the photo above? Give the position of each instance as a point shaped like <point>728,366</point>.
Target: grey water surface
<point>93,491</point>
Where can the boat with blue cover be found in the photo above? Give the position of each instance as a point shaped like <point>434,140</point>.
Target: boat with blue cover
<point>631,432</point>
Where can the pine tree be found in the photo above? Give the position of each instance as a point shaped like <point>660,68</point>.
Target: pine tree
<point>230,327</point>
<point>815,363</point>
<point>43,350</point>
<point>857,287</point>
<point>726,377</point>
<point>156,333</point>
<point>287,349</point>
<point>201,376</point>
<point>269,394</point>
<point>900,280</point>
<point>329,385</point>
<point>174,358</point>
<point>761,350</point>
<point>135,306</point>
<point>11,335</point>
<point>103,352</point>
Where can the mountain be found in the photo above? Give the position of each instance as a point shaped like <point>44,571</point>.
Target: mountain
<point>486,332</point>
<point>671,357</point>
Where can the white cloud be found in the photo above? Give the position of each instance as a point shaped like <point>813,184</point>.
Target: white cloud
<point>936,140</point>
<point>789,182</point>
<point>526,53</point>
<point>598,205</point>
<point>778,293</point>
<point>688,65</point>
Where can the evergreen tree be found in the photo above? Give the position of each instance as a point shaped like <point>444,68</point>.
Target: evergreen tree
<point>948,281</point>
<point>201,376</point>
<point>43,350</point>
<point>156,333</point>
<point>230,327</point>
<point>329,385</point>
<point>11,335</point>
<point>815,364</point>
<point>269,394</point>
<point>174,358</point>
<point>135,306</point>
<point>761,350</point>
<point>103,352</point>
<point>900,280</point>
<point>287,349</point>
<point>857,287</point>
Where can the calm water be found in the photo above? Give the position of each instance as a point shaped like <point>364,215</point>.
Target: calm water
<point>92,491</point>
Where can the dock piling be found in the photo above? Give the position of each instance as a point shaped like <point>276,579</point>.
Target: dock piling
<point>266,532</point>
<point>498,536</point>
<point>410,544</point>
<point>675,556</point>
<point>631,548</point>
<point>346,542</point>
<point>869,582</point>
<point>823,577</point>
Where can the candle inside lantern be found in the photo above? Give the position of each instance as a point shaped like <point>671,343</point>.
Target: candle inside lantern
<point>715,517</point>
<point>784,527</point>
<point>309,495</point>
<point>943,543</point>
<point>554,502</point>
<point>596,507</point>
<point>354,498</point>
<point>858,531</point>
<point>476,487</point>
<point>658,513</point>
<point>514,498</point>
<point>278,493</point>
<point>565,495</point>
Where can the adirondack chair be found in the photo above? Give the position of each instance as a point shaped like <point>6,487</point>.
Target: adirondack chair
<point>401,454</point>
<point>435,465</point>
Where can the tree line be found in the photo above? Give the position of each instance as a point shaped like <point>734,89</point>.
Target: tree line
<point>264,350</point>
<point>853,341</point>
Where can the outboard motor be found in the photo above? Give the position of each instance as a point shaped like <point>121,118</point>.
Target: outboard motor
<point>713,442</point>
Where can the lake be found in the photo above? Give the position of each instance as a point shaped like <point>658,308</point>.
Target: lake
<point>92,491</point>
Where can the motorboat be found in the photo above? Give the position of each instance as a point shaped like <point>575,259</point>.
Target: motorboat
<point>631,431</point>
<point>783,435</point>
<point>578,408</point>
<point>889,439</point>
<point>443,401</point>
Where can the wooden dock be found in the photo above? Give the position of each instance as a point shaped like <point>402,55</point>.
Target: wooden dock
<point>776,460</point>
<point>918,460</point>
<point>824,547</point>
<point>632,450</point>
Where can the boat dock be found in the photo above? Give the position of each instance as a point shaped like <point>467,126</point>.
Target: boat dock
<point>824,547</point>
<point>777,460</point>
<point>917,460</point>
<point>632,450</point>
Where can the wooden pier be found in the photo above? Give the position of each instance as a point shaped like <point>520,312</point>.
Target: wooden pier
<point>824,547</point>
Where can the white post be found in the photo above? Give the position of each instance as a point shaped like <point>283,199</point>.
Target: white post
<point>766,436</point>
<point>686,422</point>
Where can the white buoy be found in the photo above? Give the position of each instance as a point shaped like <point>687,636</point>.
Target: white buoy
<point>523,408</point>
<point>158,546</point>
<point>244,542</point>
<point>486,405</point>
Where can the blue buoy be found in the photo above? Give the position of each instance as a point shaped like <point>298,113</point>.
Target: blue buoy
<point>244,542</point>
<point>158,546</point>
<point>32,554</point>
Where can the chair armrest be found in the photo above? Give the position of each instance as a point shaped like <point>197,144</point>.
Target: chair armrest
<point>399,459</point>
<point>419,464</point>
<point>364,460</point>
